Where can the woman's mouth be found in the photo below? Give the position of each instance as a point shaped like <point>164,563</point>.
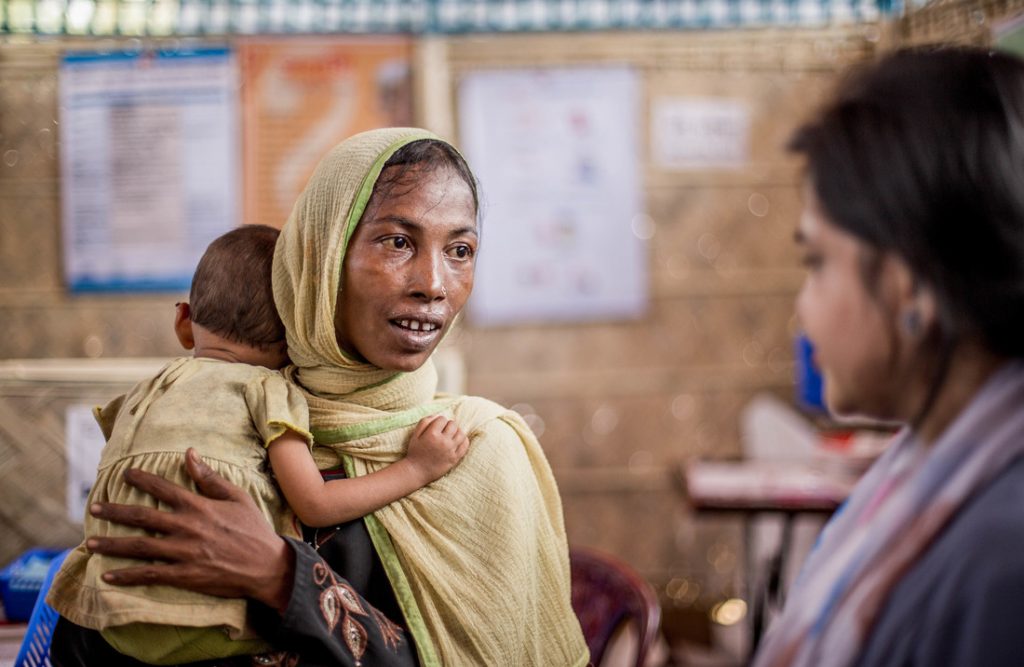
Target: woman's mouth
<point>417,334</point>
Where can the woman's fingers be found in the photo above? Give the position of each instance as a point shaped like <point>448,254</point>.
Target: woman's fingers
<point>158,487</point>
<point>145,575</point>
<point>166,574</point>
<point>135,516</point>
<point>209,482</point>
<point>140,548</point>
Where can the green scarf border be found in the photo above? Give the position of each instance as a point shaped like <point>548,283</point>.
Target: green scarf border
<point>380,538</point>
<point>333,436</point>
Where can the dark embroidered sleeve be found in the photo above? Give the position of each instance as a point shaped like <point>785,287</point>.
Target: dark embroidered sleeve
<point>328,623</point>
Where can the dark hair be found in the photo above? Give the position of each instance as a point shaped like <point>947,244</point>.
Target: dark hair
<point>922,154</point>
<point>426,154</point>
<point>231,293</point>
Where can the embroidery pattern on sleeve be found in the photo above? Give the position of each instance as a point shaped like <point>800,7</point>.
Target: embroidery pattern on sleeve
<point>339,604</point>
<point>391,632</point>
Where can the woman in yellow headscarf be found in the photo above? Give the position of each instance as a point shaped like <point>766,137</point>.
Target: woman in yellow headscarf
<point>371,270</point>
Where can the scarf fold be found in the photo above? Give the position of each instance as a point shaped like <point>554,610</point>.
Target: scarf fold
<point>496,517</point>
<point>894,514</point>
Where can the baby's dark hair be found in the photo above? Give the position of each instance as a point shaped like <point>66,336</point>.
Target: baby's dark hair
<point>231,293</point>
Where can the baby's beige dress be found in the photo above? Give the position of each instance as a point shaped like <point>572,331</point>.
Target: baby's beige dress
<point>228,412</point>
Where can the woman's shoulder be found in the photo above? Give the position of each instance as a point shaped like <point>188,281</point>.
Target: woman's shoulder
<point>478,414</point>
<point>972,573</point>
<point>989,530</point>
<point>982,543</point>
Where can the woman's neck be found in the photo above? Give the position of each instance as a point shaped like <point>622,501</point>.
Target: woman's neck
<point>970,367</point>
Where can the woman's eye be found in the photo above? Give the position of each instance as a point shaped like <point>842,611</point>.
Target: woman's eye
<point>462,252</point>
<point>397,242</point>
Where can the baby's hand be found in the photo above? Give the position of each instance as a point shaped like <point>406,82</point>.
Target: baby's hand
<point>437,444</point>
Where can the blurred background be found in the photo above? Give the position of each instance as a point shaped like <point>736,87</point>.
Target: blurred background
<point>637,274</point>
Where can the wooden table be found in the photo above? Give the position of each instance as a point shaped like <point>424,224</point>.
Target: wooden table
<point>753,488</point>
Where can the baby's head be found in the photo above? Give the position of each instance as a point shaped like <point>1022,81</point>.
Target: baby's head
<point>231,312</point>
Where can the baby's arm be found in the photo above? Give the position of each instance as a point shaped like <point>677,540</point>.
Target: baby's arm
<point>437,444</point>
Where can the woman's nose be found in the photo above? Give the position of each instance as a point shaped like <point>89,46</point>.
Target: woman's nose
<point>429,277</point>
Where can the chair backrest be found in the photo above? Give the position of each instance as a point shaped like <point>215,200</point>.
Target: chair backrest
<point>35,648</point>
<point>607,593</point>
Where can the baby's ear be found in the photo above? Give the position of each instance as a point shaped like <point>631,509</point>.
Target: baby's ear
<point>183,325</point>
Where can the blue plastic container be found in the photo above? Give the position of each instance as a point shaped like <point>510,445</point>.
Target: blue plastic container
<point>35,648</point>
<point>22,579</point>
<point>808,379</point>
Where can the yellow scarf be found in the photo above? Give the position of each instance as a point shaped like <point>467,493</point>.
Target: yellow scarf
<point>478,559</point>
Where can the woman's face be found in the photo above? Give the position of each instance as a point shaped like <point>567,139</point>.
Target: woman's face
<point>408,270</point>
<point>852,328</point>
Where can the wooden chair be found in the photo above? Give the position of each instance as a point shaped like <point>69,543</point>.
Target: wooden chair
<point>607,593</point>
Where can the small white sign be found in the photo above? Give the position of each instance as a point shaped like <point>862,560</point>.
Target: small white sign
<point>84,444</point>
<point>700,133</point>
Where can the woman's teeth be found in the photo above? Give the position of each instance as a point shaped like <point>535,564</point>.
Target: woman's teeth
<point>416,325</point>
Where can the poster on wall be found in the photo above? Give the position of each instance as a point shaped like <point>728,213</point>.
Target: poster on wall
<point>564,233</point>
<point>149,165</point>
<point>302,96</point>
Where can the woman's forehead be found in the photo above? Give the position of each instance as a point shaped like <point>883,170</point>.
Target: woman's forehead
<point>420,190</point>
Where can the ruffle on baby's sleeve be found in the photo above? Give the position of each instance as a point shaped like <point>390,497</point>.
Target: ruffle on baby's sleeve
<point>107,415</point>
<point>277,405</point>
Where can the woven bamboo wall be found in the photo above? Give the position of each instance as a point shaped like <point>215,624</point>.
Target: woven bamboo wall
<point>953,22</point>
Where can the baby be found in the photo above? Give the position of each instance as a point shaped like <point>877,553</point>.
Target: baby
<point>231,404</point>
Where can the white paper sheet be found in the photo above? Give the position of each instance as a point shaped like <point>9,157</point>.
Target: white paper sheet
<point>563,234</point>
<point>84,442</point>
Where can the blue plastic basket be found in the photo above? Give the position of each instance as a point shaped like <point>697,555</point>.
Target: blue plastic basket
<point>21,581</point>
<point>35,648</point>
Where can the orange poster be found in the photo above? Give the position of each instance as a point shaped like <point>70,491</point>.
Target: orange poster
<point>302,96</point>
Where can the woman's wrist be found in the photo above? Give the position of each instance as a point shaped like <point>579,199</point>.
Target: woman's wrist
<point>274,586</point>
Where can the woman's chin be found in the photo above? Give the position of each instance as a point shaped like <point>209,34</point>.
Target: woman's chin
<point>402,362</point>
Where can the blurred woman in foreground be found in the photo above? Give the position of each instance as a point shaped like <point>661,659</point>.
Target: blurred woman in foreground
<point>913,235</point>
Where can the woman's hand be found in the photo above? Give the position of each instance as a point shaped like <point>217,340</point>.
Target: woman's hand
<point>216,543</point>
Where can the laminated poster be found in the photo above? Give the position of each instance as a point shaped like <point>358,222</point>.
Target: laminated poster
<point>301,96</point>
<point>149,165</point>
<point>564,233</point>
